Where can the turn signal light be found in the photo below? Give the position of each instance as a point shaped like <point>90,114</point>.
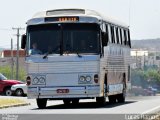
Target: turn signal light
<point>28,80</point>
<point>96,78</point>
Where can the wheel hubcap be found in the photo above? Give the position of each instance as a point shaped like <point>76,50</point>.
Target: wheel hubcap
<point>19,92</point>
<point>8,92</point>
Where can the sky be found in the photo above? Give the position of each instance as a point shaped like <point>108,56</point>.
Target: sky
<point>143,16</point>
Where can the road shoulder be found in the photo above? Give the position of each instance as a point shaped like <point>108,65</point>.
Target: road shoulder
<point>12,102</point>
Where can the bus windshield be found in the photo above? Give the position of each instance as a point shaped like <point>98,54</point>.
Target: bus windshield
<point>67,38</point>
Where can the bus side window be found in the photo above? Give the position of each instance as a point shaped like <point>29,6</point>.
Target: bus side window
<point>125,37</point>
<point>121,38</point>
<point>109,34</point>
<point>117,35</point>
<point>129,40</point>
<point>112,34</point>
<point>104,36</point>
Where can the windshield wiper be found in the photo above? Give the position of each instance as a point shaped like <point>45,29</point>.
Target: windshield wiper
<point>45,56</point>
<point>78,54</point>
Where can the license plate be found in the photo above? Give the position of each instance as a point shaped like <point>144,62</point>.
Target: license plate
<point>62,90</point>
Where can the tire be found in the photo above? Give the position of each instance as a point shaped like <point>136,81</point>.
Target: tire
<point>101,100</point>
<point>75,101</point>
<point>19,92</point>
<point>66,101</point>
<point>121,98</point>
<point>41,103</point>
<point>8,92</point>
<point>112,99</point>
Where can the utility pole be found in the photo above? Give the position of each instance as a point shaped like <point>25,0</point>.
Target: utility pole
<point>12,58</point>
<point>129,13</point>
<point>17,65</point>
<point>136,59</point>
<point>144,61</point>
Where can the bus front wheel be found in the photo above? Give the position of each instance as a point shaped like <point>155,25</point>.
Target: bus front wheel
<point>75,101</point>
<point>41,103</point>
<point>66,101</point>
<point>101,100</point>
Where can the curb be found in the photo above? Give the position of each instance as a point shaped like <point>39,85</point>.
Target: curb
<point>16,105</point>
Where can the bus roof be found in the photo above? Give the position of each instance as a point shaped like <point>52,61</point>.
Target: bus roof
<point>78,12</point>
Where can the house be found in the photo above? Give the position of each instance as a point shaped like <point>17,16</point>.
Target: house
<point>6,58</point>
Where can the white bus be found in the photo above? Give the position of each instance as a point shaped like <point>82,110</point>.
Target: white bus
<point>74,54</point>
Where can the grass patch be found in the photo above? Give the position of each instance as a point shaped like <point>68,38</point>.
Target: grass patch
<point>11,102</point>
<point>6,71</point>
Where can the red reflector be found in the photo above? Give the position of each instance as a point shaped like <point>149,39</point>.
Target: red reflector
<point>28,80</point>
<point>62,90</point>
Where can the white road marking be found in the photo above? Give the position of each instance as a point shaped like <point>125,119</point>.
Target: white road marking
<point>151,110</point>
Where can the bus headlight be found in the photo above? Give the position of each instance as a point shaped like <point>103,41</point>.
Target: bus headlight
<point>88,78</point>
<point>35,80</point>
<point>39,80</point>
<point>42,80</point>
<point>85,79</point>
<point>82,78</point>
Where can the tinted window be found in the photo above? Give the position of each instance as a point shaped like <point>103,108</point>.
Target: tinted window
<point>81,38</point>
<point>121,37</point>
<point>117,35</point>
<point>45,37</point>
<point>125,37</point>
<point>129,40</point>
<point>112,34</point>
<point>109,33</point>
<point>72,38</point>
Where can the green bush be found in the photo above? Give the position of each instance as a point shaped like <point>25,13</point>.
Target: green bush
<point>144,78</point>
<point>6,71</point>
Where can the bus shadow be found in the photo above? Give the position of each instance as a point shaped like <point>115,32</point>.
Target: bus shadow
<point>86,105</point>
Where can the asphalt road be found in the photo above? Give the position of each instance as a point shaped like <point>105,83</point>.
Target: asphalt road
<point>133,105</point>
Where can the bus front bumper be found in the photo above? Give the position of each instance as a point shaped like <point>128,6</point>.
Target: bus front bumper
<point>64,92</point>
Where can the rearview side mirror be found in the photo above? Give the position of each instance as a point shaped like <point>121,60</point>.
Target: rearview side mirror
<point>104,39</point>
<point>23,41</point>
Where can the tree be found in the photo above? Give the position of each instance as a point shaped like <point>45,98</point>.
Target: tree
<point>145,78</point>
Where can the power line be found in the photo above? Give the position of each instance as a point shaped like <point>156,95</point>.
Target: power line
<point>5,29</point>
<point>129,13</point>
<point>4,45</point>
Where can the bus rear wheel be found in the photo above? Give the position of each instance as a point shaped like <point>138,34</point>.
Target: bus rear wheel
<point>112,99</point>
<point>41,103</point>
<point>121,98</point>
